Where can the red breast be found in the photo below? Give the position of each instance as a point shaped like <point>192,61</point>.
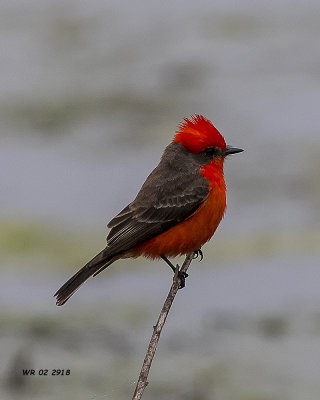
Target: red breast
<point>191,234</point>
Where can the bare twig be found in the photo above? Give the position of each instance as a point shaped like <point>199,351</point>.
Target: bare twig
<point>143,377</point>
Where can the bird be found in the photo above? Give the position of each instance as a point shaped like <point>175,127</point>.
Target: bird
<point>177,209</point>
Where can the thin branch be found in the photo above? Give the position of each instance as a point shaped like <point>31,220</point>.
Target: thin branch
<point>143,377</point>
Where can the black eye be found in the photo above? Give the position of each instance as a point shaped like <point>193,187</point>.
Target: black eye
<point>212,151</point>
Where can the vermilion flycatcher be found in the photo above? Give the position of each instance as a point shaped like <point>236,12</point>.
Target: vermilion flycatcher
<point>176,211</point>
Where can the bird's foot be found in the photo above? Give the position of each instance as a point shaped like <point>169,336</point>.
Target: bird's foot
<point>198,253</point>
<point>182,278</point>
<point>176,270</point>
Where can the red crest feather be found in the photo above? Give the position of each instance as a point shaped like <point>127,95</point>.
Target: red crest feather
<point>198,133</point>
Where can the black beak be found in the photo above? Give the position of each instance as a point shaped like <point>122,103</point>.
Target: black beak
<point>232,150</point>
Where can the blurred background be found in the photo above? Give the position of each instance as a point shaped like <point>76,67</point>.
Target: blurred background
<point>91,93</point>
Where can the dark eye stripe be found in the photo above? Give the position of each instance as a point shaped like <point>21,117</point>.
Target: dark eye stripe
<point>212,151</point>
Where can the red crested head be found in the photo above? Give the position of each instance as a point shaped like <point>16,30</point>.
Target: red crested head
<point>198,133</point>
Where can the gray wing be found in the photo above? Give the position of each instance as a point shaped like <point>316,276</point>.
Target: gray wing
<point>162,202</point>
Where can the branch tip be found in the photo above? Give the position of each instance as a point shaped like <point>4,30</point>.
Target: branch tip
<point>157,329</point>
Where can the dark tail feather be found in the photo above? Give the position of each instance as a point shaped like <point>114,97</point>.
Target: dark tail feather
<point>93,267</point>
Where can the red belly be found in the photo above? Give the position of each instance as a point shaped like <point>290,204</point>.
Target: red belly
<point>190,234</point>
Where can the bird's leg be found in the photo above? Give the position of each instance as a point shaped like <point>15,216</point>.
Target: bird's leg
<point>169,263</point>
<point>182,275</point>
<point>198,253</point>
